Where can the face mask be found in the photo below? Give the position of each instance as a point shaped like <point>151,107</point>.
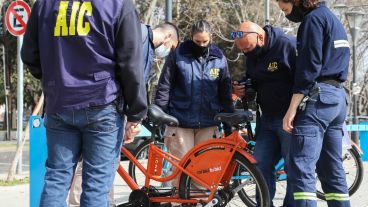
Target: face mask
<point>255,53</point>
<point>199,50</point>
<point>162,51</point>
<point>296,15</point>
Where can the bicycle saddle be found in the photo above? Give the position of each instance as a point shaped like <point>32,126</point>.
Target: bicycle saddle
<point>159,117</point>
<point>235,118</point>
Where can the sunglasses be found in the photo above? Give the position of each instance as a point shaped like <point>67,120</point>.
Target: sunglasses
<point>240,34</point>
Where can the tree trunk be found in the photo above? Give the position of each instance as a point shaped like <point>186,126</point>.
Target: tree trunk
<point>149,12</point>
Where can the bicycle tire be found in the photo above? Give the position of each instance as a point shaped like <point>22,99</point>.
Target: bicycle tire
<point>358,177</point>
<point>141,154</point>
<point>185,180</point>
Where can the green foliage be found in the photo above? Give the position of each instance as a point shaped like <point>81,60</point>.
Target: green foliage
<point>32,87</point>
<point>14,182</point>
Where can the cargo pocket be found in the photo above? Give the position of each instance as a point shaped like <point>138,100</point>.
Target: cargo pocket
<point>304,142</point>
<point>328,105</point>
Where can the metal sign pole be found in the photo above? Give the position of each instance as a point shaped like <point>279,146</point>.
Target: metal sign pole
<point>19,100</point>
<point>267,12</point>
<point>168,11</point>
<point>6,90</point>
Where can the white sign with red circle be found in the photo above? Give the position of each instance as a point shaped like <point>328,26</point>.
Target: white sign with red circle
<point>16,17</point>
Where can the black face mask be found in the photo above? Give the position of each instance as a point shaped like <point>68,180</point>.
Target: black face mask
<point>199,50</point>
<point>296,15</point>
<point>255,53</point>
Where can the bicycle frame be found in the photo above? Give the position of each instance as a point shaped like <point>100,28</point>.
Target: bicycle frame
<point>207,174</point>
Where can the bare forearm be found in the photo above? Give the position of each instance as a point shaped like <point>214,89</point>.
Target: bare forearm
<point>295,101</point>
<point>290,114</point>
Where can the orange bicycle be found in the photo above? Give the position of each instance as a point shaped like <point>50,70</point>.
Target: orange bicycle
<point>212,165</point>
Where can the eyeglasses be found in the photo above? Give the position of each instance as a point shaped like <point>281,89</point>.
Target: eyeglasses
<point>240,34</point>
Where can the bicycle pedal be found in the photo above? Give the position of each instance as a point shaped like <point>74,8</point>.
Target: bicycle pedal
<point>212,203</point>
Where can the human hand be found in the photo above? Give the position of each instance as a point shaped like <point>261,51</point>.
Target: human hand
<point>239,89</point>
<point>287,122</point>
<point>132,129</point>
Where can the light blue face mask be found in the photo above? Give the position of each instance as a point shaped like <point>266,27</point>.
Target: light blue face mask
<point>162,51</point>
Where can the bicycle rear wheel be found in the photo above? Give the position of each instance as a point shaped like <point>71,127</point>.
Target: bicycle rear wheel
<point>141,154</point>
<point>246,178</point>
<point>354,170</point>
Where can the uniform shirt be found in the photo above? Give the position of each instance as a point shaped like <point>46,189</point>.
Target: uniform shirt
<point>148,50</point>
<point>322,49</point>
<point>272,72</point>
<point>78,47</point>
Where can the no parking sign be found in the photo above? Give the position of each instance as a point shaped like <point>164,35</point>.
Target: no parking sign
<point>16,17</point>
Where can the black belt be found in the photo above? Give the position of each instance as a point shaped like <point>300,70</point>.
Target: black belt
<point>331,81</point>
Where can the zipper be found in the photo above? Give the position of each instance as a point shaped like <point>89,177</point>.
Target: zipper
<point>200,106</point>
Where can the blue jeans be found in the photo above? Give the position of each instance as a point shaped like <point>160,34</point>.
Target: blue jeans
<point>94,133</point>
<point>272,145</point>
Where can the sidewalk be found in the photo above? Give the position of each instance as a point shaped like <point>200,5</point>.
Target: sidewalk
<point>7,152</point>
<point>17,196</point>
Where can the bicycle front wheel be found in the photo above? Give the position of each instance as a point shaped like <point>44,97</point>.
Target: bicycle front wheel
<point>246,178</point>
<point>141,154</point>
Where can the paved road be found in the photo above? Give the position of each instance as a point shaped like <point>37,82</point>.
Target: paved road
<point>7,152</point>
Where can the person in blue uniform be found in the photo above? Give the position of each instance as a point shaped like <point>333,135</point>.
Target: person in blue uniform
<point>88,55</point>
<point>270,61</point>
<point>194,86</point>
<point>318,107</point>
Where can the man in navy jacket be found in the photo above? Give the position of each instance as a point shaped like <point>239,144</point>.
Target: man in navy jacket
<point>270,63</point>
<point>86,53</point>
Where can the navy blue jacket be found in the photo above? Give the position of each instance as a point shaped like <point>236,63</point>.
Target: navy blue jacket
<point>148,50</point>
<point>272,72</point>
<point>79,52</point>
<point>194,91</point>
<point>322,49</point>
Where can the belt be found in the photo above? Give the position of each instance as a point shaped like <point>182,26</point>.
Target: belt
<point>331,81</point>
